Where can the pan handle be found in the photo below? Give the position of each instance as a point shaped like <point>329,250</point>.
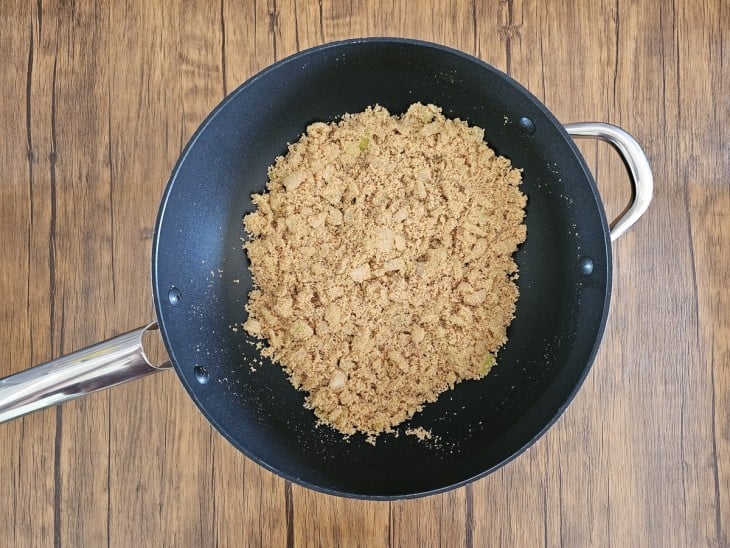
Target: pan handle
<point>637,163</point>
<point>102,365</point>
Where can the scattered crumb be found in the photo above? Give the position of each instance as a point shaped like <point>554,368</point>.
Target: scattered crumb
<point>381,256</point>
<point>420,433</point>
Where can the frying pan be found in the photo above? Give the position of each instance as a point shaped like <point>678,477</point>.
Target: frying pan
<point>200,277</point>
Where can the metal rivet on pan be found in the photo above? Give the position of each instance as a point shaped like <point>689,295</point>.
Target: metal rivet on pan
<point>586,266</point>
<point>201,374</point>
<point>174,296</point>
<point>526,125</point>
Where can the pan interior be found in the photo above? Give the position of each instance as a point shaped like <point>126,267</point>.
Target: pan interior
<point>197,258</point>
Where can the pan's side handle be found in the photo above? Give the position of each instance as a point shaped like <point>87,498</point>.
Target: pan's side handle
<point>102,365</point>
<point>637,163</point>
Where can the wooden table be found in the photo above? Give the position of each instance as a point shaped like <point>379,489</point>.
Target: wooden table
<point>96,101</point>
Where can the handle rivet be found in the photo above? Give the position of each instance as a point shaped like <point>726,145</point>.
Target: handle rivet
<point>174,296</point>
<point>586,266</point>
<point>201,374</point>
<point>526,125</point>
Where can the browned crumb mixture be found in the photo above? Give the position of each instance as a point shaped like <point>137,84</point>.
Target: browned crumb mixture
<point>382,259</point>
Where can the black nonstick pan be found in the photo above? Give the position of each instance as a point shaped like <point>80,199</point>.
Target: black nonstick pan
<point>200,278</point>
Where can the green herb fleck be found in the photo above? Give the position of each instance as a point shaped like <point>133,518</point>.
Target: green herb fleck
<point>364,143</point>
<point>487,363</point>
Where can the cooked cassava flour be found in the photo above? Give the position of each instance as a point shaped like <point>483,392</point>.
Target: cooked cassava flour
<point>381,254</point>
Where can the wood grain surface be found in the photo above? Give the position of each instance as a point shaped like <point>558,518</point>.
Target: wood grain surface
<point>97,99</point>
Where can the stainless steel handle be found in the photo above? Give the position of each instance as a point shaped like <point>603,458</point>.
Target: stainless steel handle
<point>102,365</point>
<point>639,169</point>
